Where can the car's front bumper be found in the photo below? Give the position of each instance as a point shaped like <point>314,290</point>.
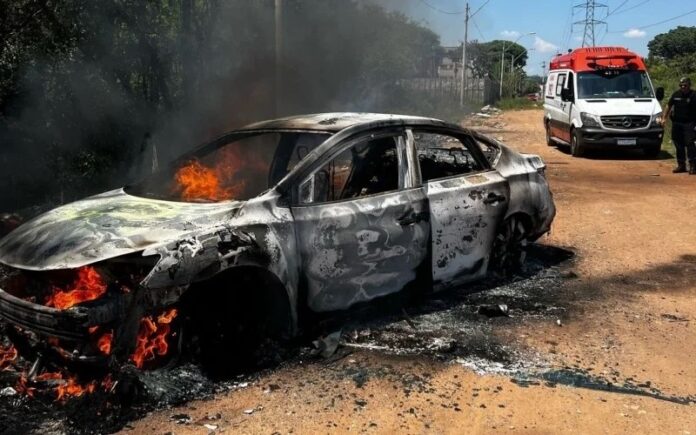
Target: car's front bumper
<point>39,326</point>
<point>593,137</point>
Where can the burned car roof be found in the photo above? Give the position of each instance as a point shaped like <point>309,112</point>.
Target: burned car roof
<point>332,122</point>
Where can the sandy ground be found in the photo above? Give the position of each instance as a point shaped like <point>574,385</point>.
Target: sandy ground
<point>631,315</point>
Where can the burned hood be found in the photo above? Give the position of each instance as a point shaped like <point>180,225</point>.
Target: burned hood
<point>106,226</point>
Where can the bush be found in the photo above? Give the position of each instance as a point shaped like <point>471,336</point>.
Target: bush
<point>666,74</point>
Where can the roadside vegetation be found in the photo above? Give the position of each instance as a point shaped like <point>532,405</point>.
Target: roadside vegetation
<point>519,103</point>
<point>671,56</point>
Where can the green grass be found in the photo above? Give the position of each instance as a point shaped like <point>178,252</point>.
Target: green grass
<point>517,104</point>
<point>667,144</point>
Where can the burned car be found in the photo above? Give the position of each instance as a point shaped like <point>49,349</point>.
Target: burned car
<point>251,234</point>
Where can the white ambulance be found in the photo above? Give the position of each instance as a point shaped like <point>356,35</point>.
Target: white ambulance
<point>602,97</point>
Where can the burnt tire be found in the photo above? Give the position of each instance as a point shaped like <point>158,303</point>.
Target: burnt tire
<point>232,324</point>
<point>577,148</point>
<point>509,248</point>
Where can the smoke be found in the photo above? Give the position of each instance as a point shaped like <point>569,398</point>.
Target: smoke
<point>163,77</point>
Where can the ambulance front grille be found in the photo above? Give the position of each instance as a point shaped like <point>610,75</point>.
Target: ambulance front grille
<point>625,122</point>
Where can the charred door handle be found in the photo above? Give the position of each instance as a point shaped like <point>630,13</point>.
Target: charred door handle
<point>411,217</point>
<point>493,198</point>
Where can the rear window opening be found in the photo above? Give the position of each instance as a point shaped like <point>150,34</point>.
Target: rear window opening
<point>443,156</point>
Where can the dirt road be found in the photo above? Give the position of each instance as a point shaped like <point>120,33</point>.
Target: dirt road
<point>627,314</point>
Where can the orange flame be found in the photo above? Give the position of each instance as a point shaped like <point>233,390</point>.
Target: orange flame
<point>200,182</point>
<point>73,389</point>
<point>197,181</point>
<point>65,388</point>
<point>104,342</point>
<point>152,338</point>
<point>88,286</point>
<point>7,357</point>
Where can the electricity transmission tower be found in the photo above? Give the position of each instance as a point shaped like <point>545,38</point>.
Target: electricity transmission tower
<point>590,6</point>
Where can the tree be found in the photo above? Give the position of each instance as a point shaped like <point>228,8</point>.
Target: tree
<point>486,57</point>
<point>675,43</point>
<point>671,56</point>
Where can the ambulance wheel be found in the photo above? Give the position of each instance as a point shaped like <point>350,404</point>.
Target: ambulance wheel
<point>576,148</point>
<point>549,141</point>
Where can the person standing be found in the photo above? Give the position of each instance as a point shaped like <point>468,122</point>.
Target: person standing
<point>682,108</point>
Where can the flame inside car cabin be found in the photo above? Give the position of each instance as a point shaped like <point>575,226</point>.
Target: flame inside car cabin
<point>196,181</point>
<point>199,182</point>
<point>88,286</point>
<point>152,337</point>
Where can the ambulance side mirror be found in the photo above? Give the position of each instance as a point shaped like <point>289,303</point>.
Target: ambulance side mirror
<point>567,95</point>
<point>660,93</point>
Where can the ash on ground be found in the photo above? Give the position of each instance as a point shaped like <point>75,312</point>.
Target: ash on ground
<point>458,325</point>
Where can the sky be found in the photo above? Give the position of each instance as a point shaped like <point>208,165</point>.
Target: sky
<point>630,23</point>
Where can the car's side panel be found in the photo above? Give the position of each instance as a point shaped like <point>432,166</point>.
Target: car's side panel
<point>261,234</point>
<point>356,250</point>
<point>529,190</point>
<point>465,212</point>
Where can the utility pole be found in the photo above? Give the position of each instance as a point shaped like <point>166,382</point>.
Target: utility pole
<point>466,35</point>
<point>588,39</point>
<point>278,55</point>
<point>502,62</point>
<point>502,69</point>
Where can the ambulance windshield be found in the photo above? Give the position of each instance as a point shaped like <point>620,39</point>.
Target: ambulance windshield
<point>614,83</point>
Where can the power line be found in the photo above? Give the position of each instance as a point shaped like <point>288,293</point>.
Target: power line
<point>568,27</point>
<point>442,11</point>
<point>435,8</point>
<point>631,8</point>
<point>480,7</point>
<point>483,38</point>
<point>655,24</point>
<point>616,8</point>
<point>604,35</point>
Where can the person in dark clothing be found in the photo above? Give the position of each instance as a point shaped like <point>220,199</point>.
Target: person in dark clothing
<point>682,108</point>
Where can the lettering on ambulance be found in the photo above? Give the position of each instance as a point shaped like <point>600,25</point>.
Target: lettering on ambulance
<point>551,86</point>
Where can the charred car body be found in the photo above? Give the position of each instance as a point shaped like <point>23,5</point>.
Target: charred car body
<point>308,214</point>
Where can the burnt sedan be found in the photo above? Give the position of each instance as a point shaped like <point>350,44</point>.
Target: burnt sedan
<point>247,236</point>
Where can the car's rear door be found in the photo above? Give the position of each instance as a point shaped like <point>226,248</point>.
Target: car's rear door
<point>361,220</point>
<point>467,201</point>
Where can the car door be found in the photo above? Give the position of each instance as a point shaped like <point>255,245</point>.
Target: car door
<point>362,222</point>
<point>467,201</point>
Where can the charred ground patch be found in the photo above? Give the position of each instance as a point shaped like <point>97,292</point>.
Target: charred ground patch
<point>447,326</point>
<point>453,327</point>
